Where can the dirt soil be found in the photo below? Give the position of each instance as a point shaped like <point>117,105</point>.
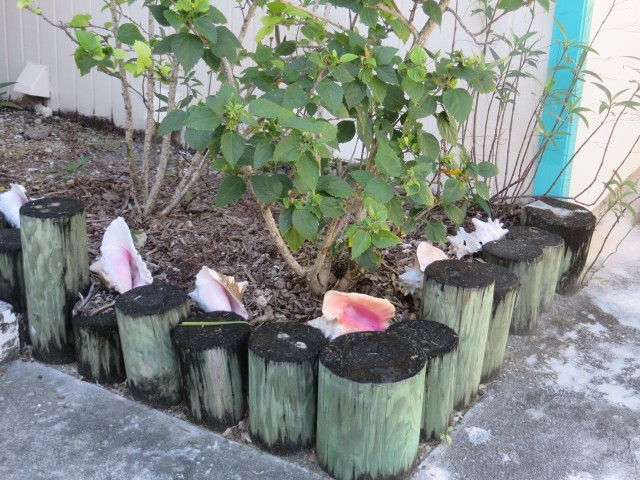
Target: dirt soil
<point>43,154</point>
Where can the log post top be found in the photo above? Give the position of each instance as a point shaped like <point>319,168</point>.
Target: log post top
<point>104,321</point>
<point>535,235</point>
<point>52,208</point>
<point>513,250</point>
<point>459,273</point>
<point>207,337</point>
<point>373,357</point>
<point>154,299</point>
<point>557,212</point>
<point>434,338</point>
<point>287,342</point>
<point>505,279</point>
<point>10,240</point>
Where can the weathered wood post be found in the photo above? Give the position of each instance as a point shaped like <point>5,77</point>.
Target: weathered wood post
<point>212,348</point>
<point>3,222</point>
<point>145,317</point>
<point>525,260</point>
<point>460,295</point>
<point>552,246</point>
<point>98,349</point>
<point>283,386</point>
<point>505,294</point>
<point>11,273</point>
<point>440,345</point>
<point>56,268</point>
<point>575,224</point>
<point>370,396</point>
<point>9,343</point>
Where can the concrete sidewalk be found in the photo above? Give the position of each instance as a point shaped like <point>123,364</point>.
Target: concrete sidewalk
<point>566,407</point>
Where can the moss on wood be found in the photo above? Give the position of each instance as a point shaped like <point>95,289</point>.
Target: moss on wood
<point>98,349</point>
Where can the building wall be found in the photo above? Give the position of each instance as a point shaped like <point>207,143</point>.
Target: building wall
<point>616,43</point>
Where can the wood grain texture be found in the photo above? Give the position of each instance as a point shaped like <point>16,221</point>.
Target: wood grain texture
<point>11,269</point>
<point>499,326</point>
<point>368,430</point>
<point>56,268</point>
<point>98,349</point>
<point>151,361</point>
<point>466,310</point>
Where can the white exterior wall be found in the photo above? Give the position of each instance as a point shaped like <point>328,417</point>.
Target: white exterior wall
<point>617,41</point>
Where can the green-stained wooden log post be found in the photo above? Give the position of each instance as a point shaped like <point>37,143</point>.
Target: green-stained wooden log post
<point>3,222</point>
<point>552,246</point>
<point>11,273</point>
<point>440,345</point>
<point>213,363</point>
<point>460,295</point>
<point>98,349</point>
<point>56,268</point>
<point>575,225</point>
<point>283,386</point>
<point>145,317</point>
<point>525,260</point>
<point>370,397</point>
<point>505,295</point>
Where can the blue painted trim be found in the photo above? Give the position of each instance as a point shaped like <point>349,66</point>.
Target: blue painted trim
<point>575,18</point>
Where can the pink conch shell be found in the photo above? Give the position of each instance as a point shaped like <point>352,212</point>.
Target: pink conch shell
<point>427,254</point>
<point>215,291</point>
<point>352,312</point>
<point>10,203</point>
<point>120,265</point>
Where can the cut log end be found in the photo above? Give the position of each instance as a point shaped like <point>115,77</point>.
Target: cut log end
<point>287,342</point>
<point>434,338</point>
<point>537,236</point>
<point>506,280</point>
<point>459,274</point>
<point>513,251</point>
<point>52,208</point>
<point>152,299</point>
<point>205,337</point>
<point>550,211</point>
<point>373,357</point>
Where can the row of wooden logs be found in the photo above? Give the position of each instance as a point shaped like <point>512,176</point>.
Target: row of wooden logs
<point>364,399</point>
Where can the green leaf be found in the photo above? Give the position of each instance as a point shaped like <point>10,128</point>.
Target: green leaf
<point>418,55</point>
<point>379,190</point>
<point>158,13</point>
<point>369,17</point>
<point>198,139</point>
<point>87,40</point>
<point>330,94</point>
<point>129,33</point>
<point>293,239</point>
<point>231,189</point>
<point>295,97</point>
<point>429,145</point>
<point>188,49</point>
<point>334,186</point>
<point>396,212</point>
<point>172,122</point>
<point>369,259</point>
<point>361,176</point>
<point>387,160</point>
<point>432,8</point>
<point>458,103</point>
<point>263,153</point>
<point>360,243</point>
<point>331,207</point>
<point>544,4</point>
<point>483,82</point>
<point>414,90</point>
<point>487,169</point>
<point>227,44</point>
<point>483,190</point>
<point>267,187</point>
<point>232,146</point>
<point>454,190</point>
<point>510,5</point>
<point>354,93</point>
<point>265,108</point>
<point>202,118</point>
<point>305,223</point>
<point>436,232</point>
<point>80,21</point>
<point>348,57</point>
<point>205,27</point>
<point>346,131</point>
<point>378,88</point>
<point>455,213</point>
<point>309,171</point>
<point>285,48</point>
<point>447,128</point>
<point>387,73</point>
<point>385,239</point>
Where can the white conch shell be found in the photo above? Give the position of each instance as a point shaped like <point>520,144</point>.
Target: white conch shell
<point>10,203</point>
<point>215,291</point>
<point>489,231</point>
<point>411,279</point>
<point>427,254</point>
<point>120,264</point>
<point>464,243</point>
